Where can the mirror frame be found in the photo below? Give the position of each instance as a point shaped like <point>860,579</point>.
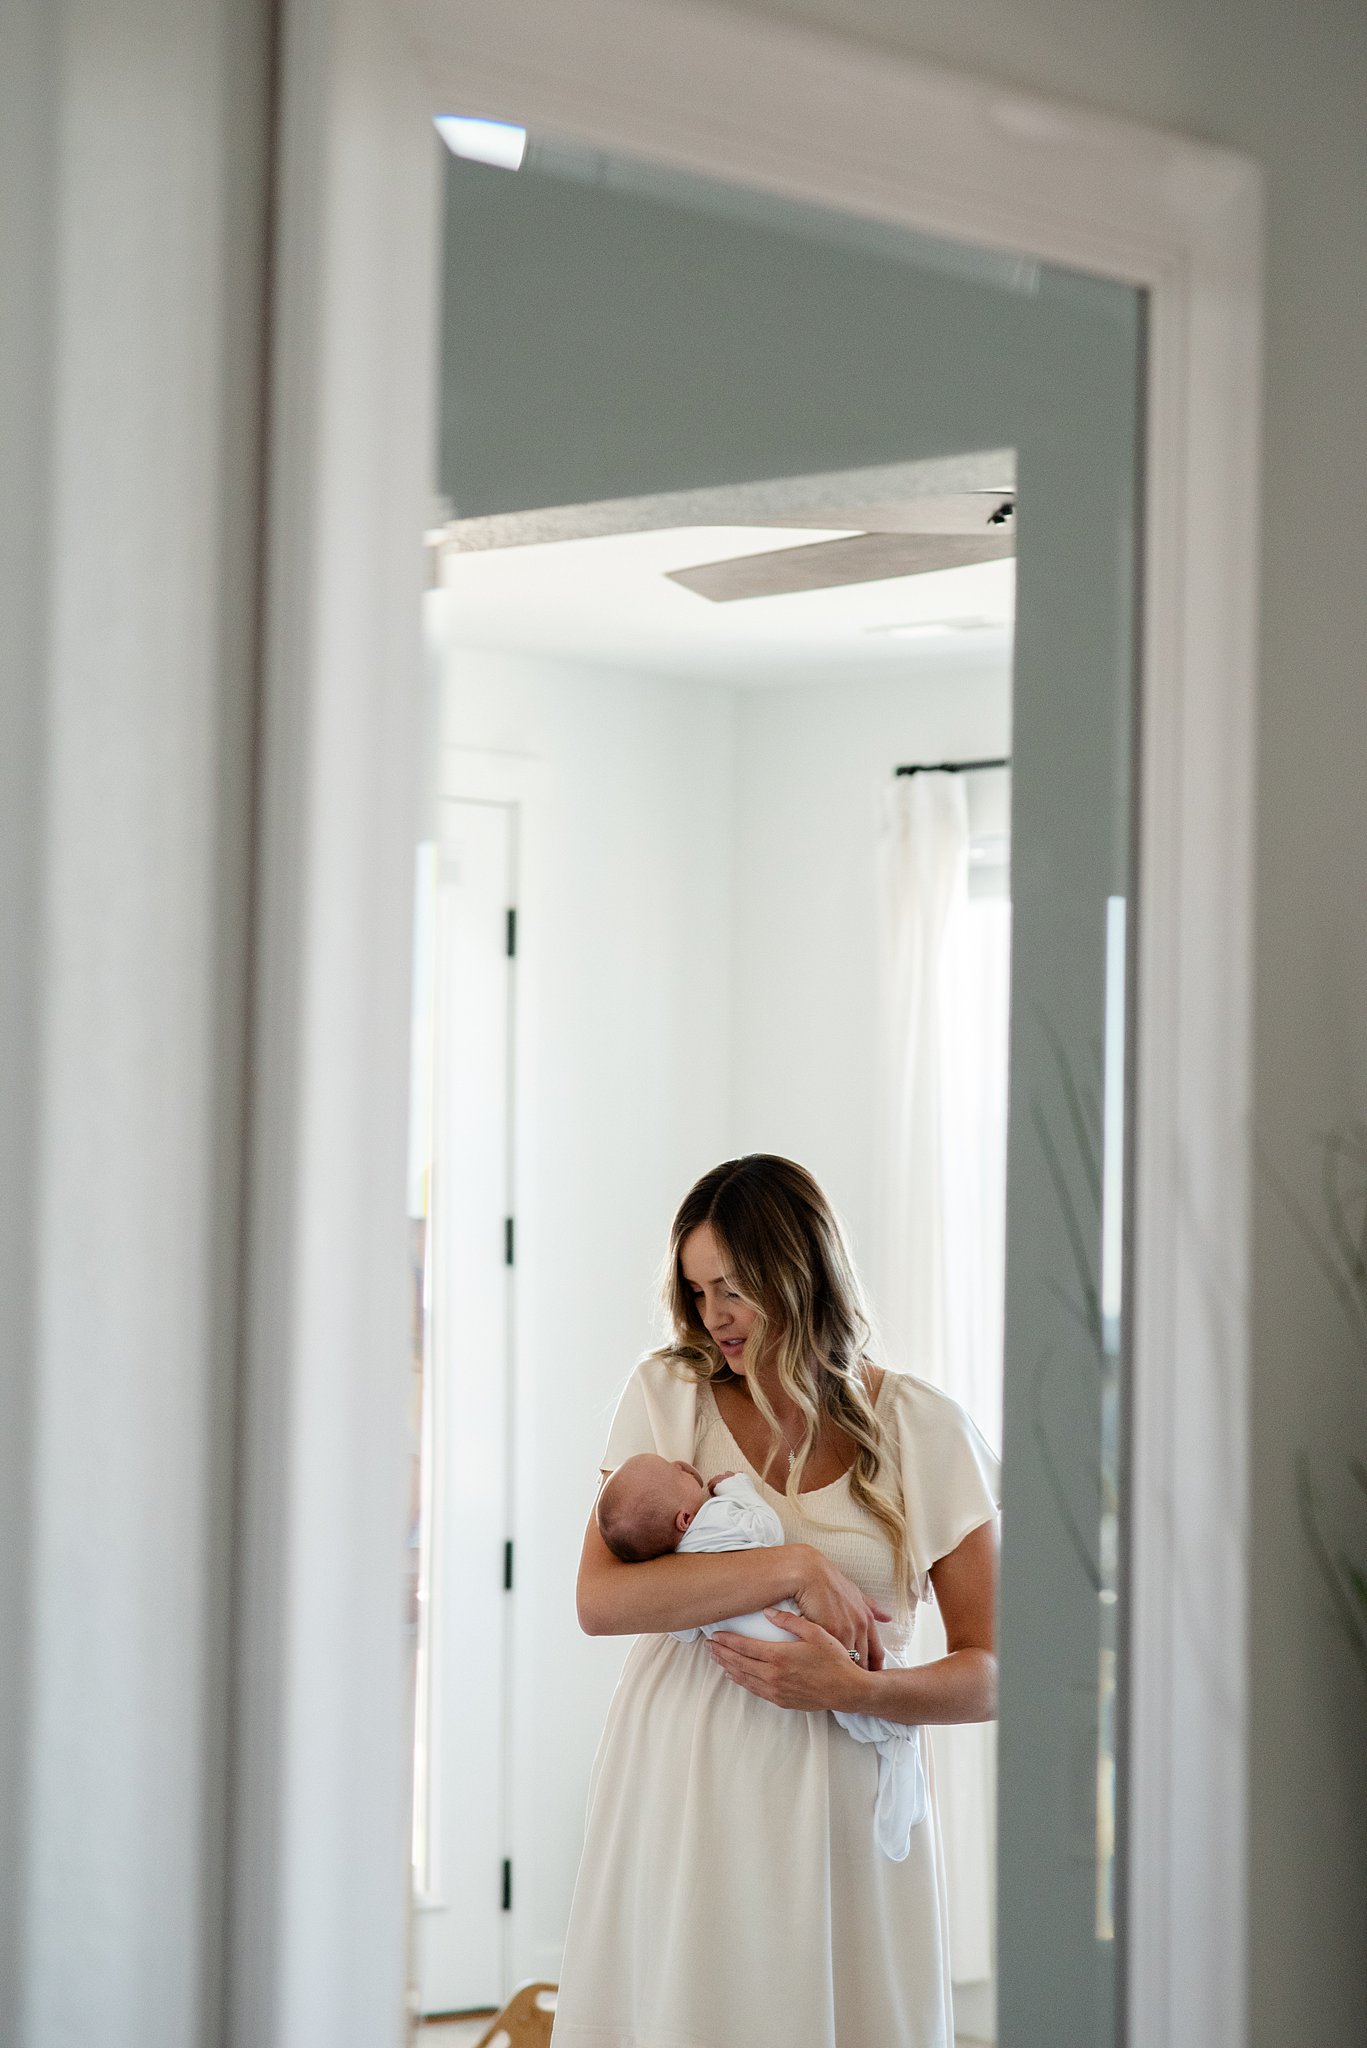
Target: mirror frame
<point>320,1709</point>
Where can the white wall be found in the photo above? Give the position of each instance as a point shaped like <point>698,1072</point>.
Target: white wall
<point>1287,86</point>
<point>134,168</point>
<point>698,953</point>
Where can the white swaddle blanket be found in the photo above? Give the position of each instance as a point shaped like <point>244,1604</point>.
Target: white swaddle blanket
<point>736,1517</point>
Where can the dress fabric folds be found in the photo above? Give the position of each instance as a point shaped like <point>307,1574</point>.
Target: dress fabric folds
<point>732,1893</point>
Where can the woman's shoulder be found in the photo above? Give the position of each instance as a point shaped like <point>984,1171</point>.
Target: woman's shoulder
<point>918,1401</point>
<point>929,1423</point>
<point>657,1373</point>
<point>655,1411</point>
<point>950,1475</point>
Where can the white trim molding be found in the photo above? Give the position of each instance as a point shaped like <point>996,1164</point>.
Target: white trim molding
<point>815,118</point>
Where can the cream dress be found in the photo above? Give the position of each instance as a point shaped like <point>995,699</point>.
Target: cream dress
<point>731,1892</point>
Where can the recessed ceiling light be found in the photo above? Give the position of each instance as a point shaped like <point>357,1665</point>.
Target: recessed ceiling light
<point>923,629</point>
<point>500,143</point>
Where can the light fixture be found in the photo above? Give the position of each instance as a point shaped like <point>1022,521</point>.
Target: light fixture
<point>924,629</point>
<point>500,143</point>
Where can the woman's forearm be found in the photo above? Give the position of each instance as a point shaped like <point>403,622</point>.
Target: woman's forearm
<point>617,1599</point>
<point>959,1687</point>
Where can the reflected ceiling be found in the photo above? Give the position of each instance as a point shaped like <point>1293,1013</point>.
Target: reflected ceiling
<point>610,600</point>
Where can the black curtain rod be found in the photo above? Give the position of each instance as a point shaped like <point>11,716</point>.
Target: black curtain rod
<point>950,767</point>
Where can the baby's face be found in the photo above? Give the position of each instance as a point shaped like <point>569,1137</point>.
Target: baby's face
<point>661,1493</point>
<point>648,1504</point>
<point>680,1484</point>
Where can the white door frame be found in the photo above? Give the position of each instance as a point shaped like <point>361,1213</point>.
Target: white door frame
<point>321,1714</point>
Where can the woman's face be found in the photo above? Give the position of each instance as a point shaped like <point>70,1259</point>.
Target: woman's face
<point>727,1319</point>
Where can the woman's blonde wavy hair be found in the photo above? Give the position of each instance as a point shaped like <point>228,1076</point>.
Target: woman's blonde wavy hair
<point>787,1257</point>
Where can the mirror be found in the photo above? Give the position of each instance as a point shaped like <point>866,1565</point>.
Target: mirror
<point>782,655</point>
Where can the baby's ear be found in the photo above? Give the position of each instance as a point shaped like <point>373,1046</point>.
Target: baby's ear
<point>682,1519</point>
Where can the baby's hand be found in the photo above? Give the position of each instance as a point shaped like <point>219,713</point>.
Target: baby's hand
<point>713,1484</point>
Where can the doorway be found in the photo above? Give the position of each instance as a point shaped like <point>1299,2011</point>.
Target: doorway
<point>461,1876</point>
<point>695,431</point>
<point>1183,215</point>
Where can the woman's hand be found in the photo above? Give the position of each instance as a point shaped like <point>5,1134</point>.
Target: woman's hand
<point>824,1595</point>
<point>812,1673</point>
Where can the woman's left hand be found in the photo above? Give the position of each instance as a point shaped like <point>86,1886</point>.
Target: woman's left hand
<point>812,1673</point>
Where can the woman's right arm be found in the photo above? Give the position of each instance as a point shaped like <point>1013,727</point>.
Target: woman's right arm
<point>619,1599</point>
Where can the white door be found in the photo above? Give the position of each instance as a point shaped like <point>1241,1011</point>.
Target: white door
<point>462,1904</point>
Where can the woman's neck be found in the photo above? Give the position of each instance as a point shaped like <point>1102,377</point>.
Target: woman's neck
<point>790,1416</point>
<point>791,1420</point>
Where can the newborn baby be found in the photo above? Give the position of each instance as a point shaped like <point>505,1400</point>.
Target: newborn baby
<point>651,1505</point>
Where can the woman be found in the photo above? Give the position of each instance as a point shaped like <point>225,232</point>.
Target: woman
<point>732,1893</point>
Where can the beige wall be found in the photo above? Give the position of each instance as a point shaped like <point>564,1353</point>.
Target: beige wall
<point>1287,85</point>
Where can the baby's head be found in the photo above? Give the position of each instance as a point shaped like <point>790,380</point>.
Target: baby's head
<point>646,1506</point>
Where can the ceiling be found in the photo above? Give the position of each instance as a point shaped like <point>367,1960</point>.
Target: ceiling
<point>608,600</point>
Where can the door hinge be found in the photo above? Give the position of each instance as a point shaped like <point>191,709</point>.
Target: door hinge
<point>508,1242</point>
<point>508,1566</point>
<point>507,1884</point>
<point>512,934</point>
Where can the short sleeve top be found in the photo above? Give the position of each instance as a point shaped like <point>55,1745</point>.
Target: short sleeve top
<point>950,1478</point>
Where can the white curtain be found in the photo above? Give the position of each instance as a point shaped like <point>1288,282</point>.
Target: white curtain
<point>939,1256</point>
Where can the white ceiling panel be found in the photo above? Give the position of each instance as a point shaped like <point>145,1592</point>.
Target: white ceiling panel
<point>609,600</point>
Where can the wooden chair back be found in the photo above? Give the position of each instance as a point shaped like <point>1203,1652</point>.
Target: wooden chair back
<point>525,2021</point>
